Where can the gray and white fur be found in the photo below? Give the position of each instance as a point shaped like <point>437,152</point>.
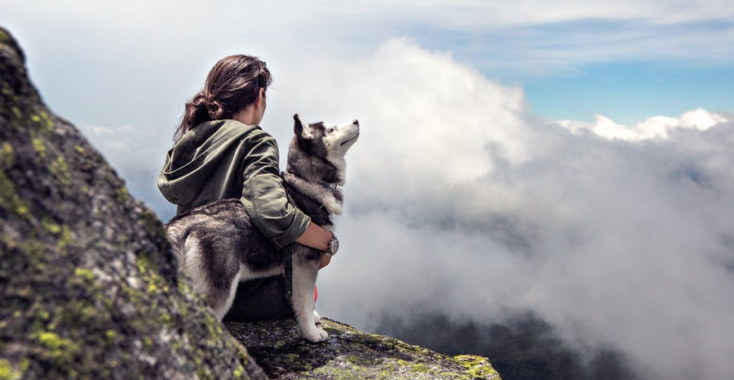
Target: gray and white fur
<point>218,246</point>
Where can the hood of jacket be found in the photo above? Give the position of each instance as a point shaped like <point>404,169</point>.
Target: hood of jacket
<point>193,159</point>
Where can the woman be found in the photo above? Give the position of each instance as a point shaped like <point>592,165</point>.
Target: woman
<point>221,152</point>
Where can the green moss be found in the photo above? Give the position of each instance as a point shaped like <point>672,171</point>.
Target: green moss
<point>357,360</point>
<point>51,340</point>
<point>61,170</point>
<point>63,352</point>
<point>477,366</point>
<point>7,156</point>
<point>64,240</point>
<point>122,194</point>
<point>291,358</point>
<point>44,315</point>
<point>4,37</point>
<point>43,120</point>
<point>7,91</point>
<point>50,226</point>
<point>420,368</point>
<point>144,263</point>
<point>17,114</point>
<point>39,147</point>
<point>84,273</point>
<point>22,211</point>
<point>9,198</point>
<point>47,122</point>
<point>7,372</point>
<point>165,318</point>
<point>79,149</point>
<point>56,344</point>
<point>239,372</point>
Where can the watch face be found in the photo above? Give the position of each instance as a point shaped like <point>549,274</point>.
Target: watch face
<point>333,246</point>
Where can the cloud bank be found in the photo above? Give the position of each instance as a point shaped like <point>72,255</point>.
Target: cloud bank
<point>459,201</point>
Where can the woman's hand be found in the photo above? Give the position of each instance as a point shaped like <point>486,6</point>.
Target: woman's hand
<point>316,237</point>
<point>325,259</point>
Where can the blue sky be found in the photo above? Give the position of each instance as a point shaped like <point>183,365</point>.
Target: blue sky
<point>574,69</point>
<point>629,92</point>
<point>572,159</point>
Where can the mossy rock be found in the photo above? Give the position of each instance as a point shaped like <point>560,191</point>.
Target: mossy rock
<point>350,354</point>
<point>89,285</point>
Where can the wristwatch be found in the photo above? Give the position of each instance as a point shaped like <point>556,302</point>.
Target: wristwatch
<point>333,245</point>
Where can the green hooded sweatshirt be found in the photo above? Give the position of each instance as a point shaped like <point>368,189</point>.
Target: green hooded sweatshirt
<point>227,159</point>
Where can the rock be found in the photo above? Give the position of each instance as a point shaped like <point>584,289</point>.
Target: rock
<point>88,284</point>
<point>89,287</point>
<point>350,354</point>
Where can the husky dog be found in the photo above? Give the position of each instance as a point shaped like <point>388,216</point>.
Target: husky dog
<point>218,245</point>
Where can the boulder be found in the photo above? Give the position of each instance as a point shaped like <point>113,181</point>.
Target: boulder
<point>89,286</point>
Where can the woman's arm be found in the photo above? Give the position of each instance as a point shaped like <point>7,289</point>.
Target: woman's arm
<point>266,203</point>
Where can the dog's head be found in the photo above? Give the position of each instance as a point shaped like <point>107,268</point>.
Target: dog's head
<point>324,140</point>
<point>321,141</point>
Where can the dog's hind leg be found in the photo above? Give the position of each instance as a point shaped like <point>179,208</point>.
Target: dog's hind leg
<point>221,299</point>
<point>215,273</point>
<point>304,279</point>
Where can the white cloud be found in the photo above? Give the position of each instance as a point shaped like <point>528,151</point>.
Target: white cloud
<point>654,128</point>
<point>459,201</point>
<point>137,153</point>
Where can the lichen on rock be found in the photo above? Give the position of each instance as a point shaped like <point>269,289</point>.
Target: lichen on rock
<point>88,284</point>
<point>350,354</point>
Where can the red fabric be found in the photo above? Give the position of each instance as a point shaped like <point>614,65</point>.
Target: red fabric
<point>315,293</point>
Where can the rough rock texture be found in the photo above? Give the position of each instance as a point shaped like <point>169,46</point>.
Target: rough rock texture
<point>88,284</point>
<point>350,354</point>
<point>89,288</point>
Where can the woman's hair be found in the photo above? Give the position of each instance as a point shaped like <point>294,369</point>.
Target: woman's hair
<point>232,84</point>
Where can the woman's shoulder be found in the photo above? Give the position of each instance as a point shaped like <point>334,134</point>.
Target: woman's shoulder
<point>249,132</point>
<point>261,136</point>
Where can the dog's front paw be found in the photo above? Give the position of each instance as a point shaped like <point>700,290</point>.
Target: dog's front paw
<point>316,318</point>
<point>316,335</point>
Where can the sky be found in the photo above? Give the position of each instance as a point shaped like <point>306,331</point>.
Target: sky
<point>571,159</point>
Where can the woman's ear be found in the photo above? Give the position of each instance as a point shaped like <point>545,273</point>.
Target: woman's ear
<point>260,101</point>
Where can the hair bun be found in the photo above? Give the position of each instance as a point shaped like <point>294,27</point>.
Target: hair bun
<point>199,101</point>
<point>214,109</point>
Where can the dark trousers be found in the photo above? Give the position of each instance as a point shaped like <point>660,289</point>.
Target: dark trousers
<point>260,300</point>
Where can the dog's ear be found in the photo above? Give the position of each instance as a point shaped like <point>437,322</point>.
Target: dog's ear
<point>302,129</point>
